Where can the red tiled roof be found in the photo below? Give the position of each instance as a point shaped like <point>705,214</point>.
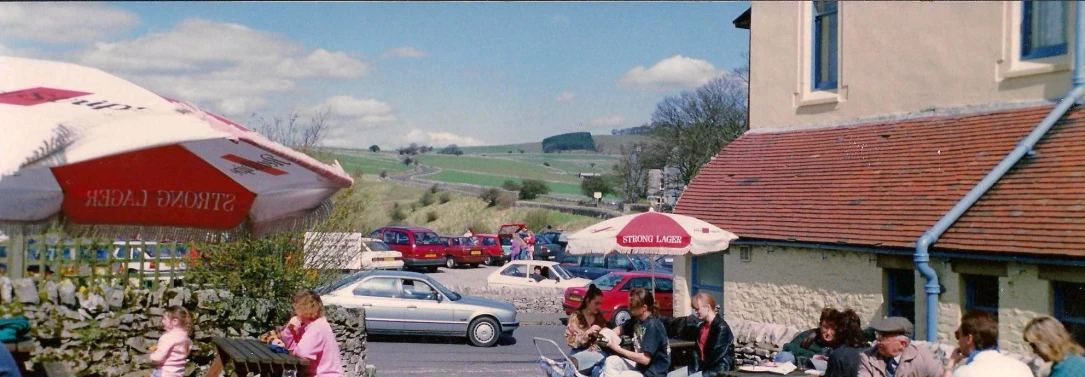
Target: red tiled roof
<point>883,184</point>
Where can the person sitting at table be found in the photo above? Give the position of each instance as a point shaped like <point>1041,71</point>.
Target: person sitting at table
<point>1050,340</point>
<point>582,333</point>
<point>844,361</point>
<point>651,354</point>
<point>894,354</point>
<point>308,335</point>
<point>818,341</point>
<point>715,351</point>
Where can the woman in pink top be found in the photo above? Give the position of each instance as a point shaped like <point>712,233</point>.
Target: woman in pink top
<point>309,336</point>
<point>171,352</point>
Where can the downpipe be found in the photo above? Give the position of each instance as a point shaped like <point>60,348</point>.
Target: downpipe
<point>1023,148</point>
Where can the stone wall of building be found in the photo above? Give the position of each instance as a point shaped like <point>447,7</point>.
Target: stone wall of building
<point>1022,297</point>
<point>106,331</point>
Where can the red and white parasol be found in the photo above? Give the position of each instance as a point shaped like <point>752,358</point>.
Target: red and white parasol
<point>650,233</point>
<point>89,149</point>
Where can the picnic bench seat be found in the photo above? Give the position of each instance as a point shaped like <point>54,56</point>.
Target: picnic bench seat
<point>252,356</point>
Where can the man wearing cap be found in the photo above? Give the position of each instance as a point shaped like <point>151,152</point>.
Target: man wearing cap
<point>977,352</point>
<point>894,355</point>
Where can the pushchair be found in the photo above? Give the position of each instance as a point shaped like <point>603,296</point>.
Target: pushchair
<point>556,368</point>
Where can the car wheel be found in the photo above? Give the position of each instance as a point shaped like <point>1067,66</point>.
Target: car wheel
<point>450,263</point>
<point>483,332</point>
<point>431,268</point>
<point>488,262</point>
<point>620,317</point>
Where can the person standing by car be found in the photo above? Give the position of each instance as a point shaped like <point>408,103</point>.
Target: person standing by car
<point>516,248</point>
<point>651,354</point>
<point>529,241</point>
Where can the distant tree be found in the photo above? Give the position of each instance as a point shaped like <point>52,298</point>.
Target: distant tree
<point>698,124</point>
<point>569,141</point>
<point>521,151</point>
<point>546,163</point>
<point>511,186</point>
<point>591,185</point>
<point>384,174</point>
<point>407,161</point>
<point>374,148</point>
<point>452,149</point>
<point>532,188</point>
<point>510,151</point>
<point>592,165</point>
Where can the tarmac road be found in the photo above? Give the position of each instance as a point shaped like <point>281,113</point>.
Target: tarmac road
<point>450,357</point>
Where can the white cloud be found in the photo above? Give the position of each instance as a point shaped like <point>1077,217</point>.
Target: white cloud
<point>610,121</point>
<point>676,72</point>
<point>565,97</point>
<point>62,22</point>
<point>228,67</point>
<point>403,52</point>
<point>440,138</point>
<point>352,120</point>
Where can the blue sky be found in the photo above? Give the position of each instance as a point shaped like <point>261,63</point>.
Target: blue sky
<point>390,73</point>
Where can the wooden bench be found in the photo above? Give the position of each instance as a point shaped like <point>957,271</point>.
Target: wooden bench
<point>252,356</point>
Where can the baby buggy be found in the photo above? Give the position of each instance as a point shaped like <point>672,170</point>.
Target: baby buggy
<point>556,368</point>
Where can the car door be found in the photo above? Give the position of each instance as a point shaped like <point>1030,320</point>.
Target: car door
<point>378,295</point>
<point>426,310</point>
<point>665,296</point>
<point>572,264</point>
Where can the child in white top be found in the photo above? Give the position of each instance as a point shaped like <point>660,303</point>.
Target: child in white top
<point>171,352</point>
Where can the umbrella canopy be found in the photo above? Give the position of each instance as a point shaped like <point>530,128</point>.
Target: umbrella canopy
<point>90,150</point>
<point>650,233</point>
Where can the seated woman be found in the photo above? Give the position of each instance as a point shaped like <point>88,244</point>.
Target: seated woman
<point>844,360</point>
<point>819,341</point>
<point>651,354</point>
<point>582,333</point>
<point>1050,340</point>
<point>715,352</point>
<point>308,335</point>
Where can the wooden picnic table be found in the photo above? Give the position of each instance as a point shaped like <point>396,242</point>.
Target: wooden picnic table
<point>251,355</point>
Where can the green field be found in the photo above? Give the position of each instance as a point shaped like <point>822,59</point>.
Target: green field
<point>606,144</point>
<point>498,167</point>
<point>370,165</point>
<point>496,181</point>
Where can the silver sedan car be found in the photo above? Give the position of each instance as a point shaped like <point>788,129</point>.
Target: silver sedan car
<point>410,303</point>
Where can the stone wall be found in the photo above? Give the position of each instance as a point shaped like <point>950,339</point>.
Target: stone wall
<point>526,300</point>
<point>104,331</point>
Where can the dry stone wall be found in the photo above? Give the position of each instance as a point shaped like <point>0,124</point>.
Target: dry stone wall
<point>105,331</point>
<point>526,300</point>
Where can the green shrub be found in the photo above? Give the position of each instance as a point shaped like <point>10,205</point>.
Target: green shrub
<point>431,216</point>
<point>511,185</point>
<point>505,201</point>
<point>537,219</point>
<point>446,197</point>
<point>397,214</point>
<point>532,188</point>
<point>434,189</point>
<point>427,199</point>
<point>490,196</point>
<point>384,174</point>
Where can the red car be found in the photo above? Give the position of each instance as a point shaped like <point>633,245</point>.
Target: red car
<point>463,251</point>
<point>616,287</point>
<point>421,247</point>
<point>491,246</point>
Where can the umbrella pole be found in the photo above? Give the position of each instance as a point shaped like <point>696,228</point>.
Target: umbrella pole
<point>652,270</point>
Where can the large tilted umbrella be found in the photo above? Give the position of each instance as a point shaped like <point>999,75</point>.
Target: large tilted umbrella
<point>97,154</point>
<point>650,233</point>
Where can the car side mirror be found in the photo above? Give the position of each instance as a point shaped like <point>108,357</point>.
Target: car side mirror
<point>438,297</point>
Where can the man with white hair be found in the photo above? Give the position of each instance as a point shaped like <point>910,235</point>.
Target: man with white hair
<point>894,355</point>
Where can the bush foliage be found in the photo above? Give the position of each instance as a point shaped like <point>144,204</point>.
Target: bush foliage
<point>568,142</point>
<point>532,188</point>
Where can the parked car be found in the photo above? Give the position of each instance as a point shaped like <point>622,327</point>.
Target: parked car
<point>517,274</point>
<point>150,257</point>
<point>616,287</point>
<point>491,246</point>
<point>421,247</point>
<point>409,303</point>
<point>550,246</point>
<point>504,236</point>
<point>592,266</point>
<point>377,255</point>
<point>463,251</point>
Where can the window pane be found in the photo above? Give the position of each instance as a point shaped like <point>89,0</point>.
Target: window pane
<point>901,295</point>
<point>709,269</point>
<point>1070,309</point>
<point>982,293</point>
<point>1048,23</point>
<point>826,48</point>
<point>376,287</point>
<point>618,262</point>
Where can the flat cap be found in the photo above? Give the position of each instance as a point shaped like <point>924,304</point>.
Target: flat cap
<point>897,325</point>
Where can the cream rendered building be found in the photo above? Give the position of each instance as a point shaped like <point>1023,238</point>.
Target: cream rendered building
<point>868,121</point>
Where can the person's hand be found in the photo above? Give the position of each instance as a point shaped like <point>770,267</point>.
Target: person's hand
<point>278,342</point>
<point>954,358</point>
<point>614,346</point>
<point>294,324</point>
<point>595,329</point>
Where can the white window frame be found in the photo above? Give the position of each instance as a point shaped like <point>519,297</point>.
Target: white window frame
<point>1010,65</point>
<point>805,94</point>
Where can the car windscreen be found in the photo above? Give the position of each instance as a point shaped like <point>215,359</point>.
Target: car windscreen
<point>639,263</point>
<point>427,238</point>
<point>377,246</point>
<point>562,273</point>
<point>607,282</point>
<point>448,292</point>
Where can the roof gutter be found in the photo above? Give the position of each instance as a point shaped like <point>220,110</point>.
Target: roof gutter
<point>1023,148</point>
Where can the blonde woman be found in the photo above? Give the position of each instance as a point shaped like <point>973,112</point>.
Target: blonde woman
<point>308,335</point>
<point>1050,340</point>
